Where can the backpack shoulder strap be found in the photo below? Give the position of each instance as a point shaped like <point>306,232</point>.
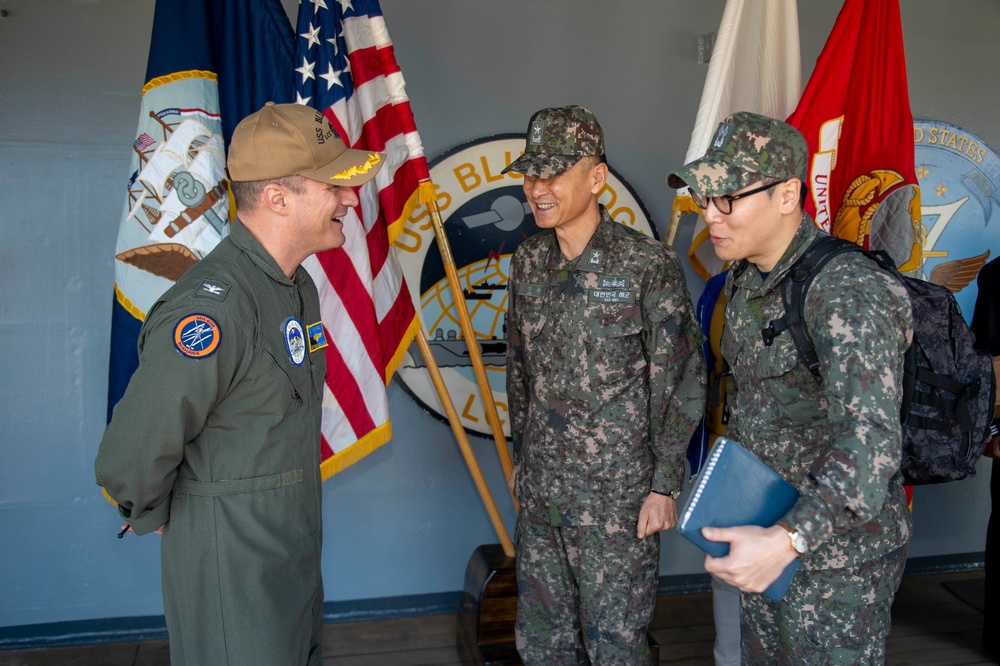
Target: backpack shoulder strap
<point>793,292</point>
<point>736,269</point>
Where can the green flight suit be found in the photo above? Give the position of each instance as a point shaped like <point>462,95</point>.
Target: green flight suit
<point>218,437</point>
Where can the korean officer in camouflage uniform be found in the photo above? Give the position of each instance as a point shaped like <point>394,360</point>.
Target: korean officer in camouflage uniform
<point>605,382</point>
<point>837,440</point>
<point>216,443</point>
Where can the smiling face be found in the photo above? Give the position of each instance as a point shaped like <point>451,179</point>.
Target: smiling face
<point>319,212</point>
<point>760,226</point>
<point>567,201</point>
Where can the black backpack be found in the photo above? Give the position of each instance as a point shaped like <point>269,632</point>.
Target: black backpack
<point>949,388</point>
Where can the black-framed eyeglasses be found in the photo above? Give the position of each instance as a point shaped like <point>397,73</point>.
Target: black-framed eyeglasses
<point>724,203</point>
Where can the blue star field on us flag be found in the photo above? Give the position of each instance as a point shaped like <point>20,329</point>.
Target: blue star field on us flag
<point>323,71</point>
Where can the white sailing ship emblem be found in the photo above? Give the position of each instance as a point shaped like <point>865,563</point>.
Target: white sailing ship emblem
<point>179,197</point>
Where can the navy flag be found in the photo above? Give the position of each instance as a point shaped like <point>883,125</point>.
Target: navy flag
<point>211,63</point>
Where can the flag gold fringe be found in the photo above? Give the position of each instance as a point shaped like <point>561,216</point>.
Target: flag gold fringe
<point>426,192</point>
<point>913,262</point>
<point>381,435</point>
<point>338,462</point>
<point>109,498</point>
<point>404,344</point>
<point>685,204</point>
<point>423,193</point>
<point>179,76</point>
<point>128,305</point>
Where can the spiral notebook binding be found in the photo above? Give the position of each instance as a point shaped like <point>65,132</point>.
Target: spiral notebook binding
<point>703,478</point>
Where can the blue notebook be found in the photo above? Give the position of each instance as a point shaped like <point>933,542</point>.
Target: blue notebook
<point>736,488</point>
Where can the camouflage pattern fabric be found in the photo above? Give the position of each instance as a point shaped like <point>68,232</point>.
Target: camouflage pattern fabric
<point>605,375</point>
<point>556,140</point>
<point>834,617</point>
<point>747,149</point>
<point>605,384</point>
<point>837,441</point>
<point>946,429</point>
<point>585,594</point>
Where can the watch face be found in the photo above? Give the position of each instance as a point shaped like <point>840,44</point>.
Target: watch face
<point>799,542</point>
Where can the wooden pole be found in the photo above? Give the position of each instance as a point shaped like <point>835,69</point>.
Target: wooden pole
<point>675,223</point>
<point>486,393</point>
<point>463,444</point>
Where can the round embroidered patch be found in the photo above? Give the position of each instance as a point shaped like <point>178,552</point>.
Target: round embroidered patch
<point>295,340</point>
<point>197,336</point>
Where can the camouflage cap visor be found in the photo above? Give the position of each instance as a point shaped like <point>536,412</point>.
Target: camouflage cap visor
<point>712,177</point>
<point>747,148</point>
<point>542,165</point>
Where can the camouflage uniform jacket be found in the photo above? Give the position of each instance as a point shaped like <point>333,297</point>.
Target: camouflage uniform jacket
<point>839,440</point>
<point>605,375</point>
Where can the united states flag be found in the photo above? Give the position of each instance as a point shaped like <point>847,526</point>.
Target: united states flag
<point>346,67</point>
<point>144,141</point>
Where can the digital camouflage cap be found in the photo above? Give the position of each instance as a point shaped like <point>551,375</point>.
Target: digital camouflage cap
<point>556,140</point>
<point>747,149</point>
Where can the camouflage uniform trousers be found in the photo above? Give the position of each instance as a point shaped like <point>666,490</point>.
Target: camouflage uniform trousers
<point>585,594</point>
<point>828,616</point>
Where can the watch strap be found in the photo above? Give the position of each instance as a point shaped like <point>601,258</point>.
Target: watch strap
<point>793,536</point>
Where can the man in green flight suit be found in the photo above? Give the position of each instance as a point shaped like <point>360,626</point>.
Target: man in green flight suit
<point>837,439</point>
<point>215,444</point>
<point>605,384</point>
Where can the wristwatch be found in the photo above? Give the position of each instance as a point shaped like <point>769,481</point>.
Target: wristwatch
<point>795,539</point>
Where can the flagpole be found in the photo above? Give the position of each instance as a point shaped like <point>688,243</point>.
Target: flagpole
<point>471,341</point>
<point>463,443</point>
<point>675,223</point>
<point>682,204</point>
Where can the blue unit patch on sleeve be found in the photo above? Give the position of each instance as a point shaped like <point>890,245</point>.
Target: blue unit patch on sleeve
<point>317,337</point>
<point>197,336</point>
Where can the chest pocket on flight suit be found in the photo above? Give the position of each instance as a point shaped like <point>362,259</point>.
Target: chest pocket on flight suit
<point>297,380</point>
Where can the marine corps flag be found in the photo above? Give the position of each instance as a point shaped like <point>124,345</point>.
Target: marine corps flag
<point>346,67</point>
<point>211,63</point>
<point>855,115</point>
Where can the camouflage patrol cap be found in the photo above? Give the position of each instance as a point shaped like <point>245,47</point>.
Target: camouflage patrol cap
<point>747,148</point>
<point>556,140</point>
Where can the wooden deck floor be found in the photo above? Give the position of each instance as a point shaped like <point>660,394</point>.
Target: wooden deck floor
<point>931,625</point>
